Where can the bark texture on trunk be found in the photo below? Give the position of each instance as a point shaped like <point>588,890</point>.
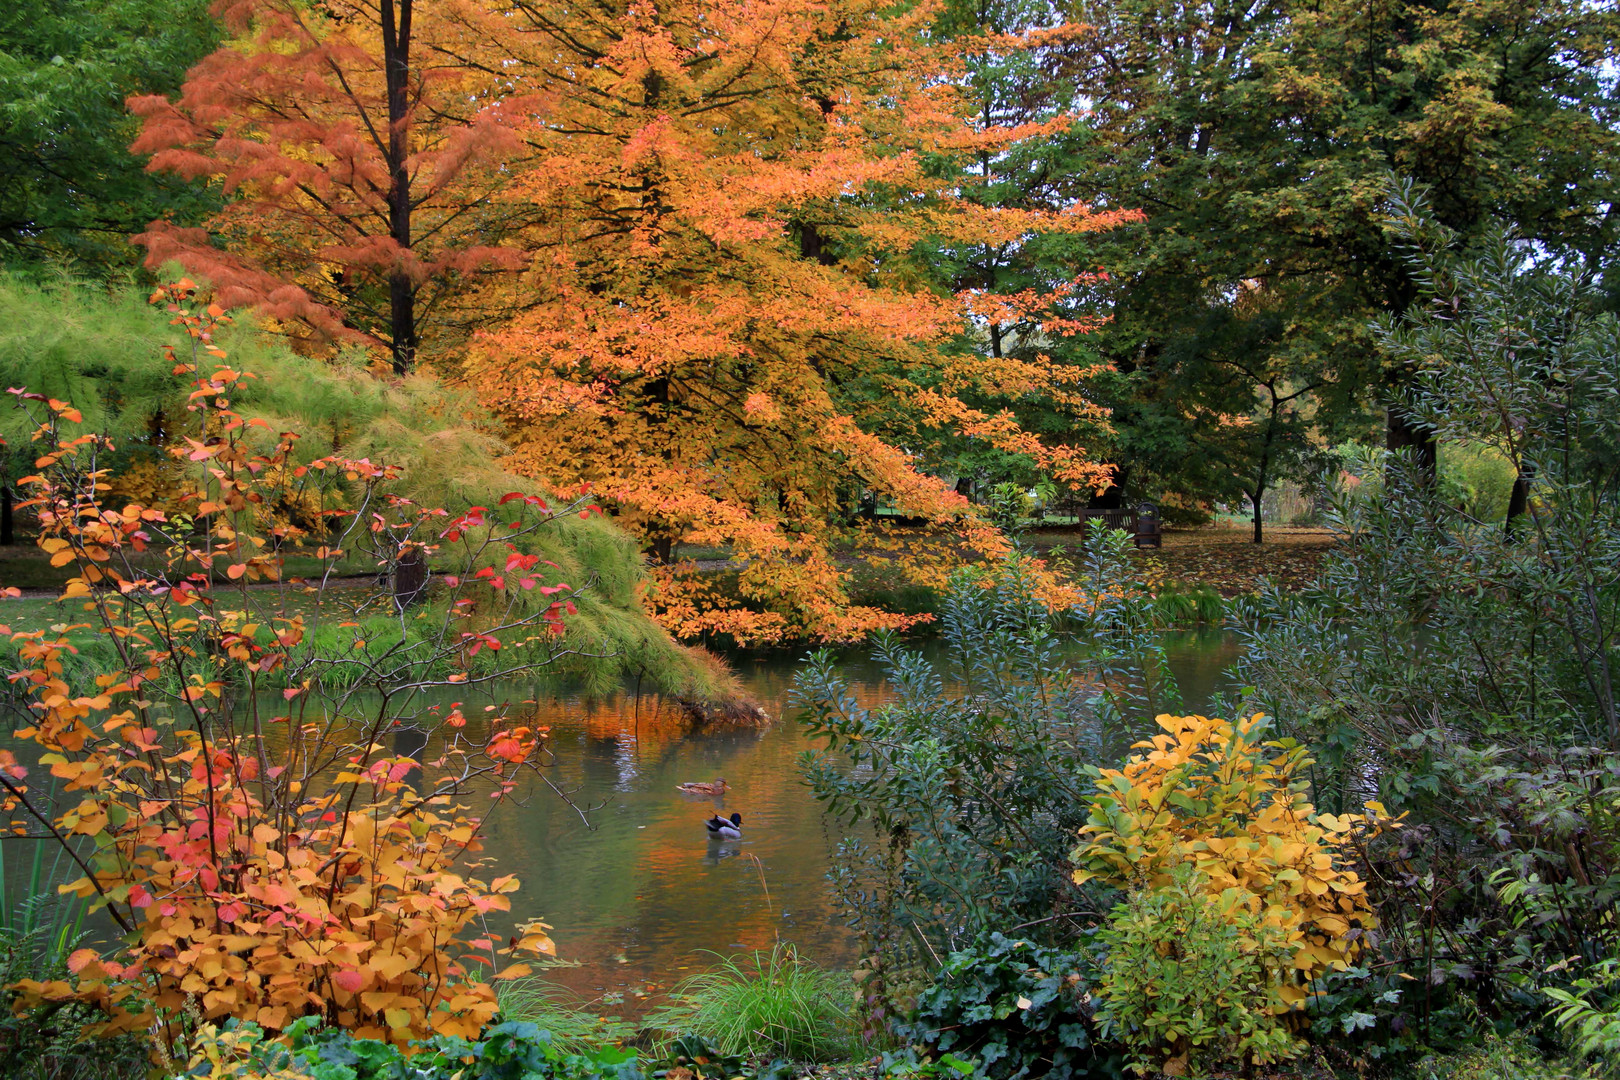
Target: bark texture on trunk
<point>397,71</point>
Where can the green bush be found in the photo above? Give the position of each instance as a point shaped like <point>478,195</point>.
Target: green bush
<point>1476,478</point>
<point>1188,982</point>
<point>1513,1058</point>
<point>974,799</point>
<point>1017,1008</point>
<point>962,796</point>
<point>1589,1011</point>
<point>1178,606</point>
<point>509,1051</point>
<point>764,1005</point>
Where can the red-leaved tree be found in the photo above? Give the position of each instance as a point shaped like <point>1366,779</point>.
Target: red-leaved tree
<point>363,175</point>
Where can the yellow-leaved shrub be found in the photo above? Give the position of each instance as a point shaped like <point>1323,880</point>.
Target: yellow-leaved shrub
<point>1210,794</point>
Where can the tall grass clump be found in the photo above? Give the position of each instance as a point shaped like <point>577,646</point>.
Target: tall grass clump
<point>1178,606</point>
<point>556,1010</point>
<point>39,925</point>
<point>764,1004</point>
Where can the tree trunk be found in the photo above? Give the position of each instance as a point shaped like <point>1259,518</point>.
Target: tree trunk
<point>662,550</point>
<point>8,526</point>
<point>1263,474</point>
<point>1405,433</point>
<point>410,577</point>
<point>397,72</point>
<point>1519,500</point>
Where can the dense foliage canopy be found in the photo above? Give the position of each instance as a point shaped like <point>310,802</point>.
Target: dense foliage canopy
<point>70,191</point>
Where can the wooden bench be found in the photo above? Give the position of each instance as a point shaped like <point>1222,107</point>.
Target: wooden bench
<point>1142,522</point>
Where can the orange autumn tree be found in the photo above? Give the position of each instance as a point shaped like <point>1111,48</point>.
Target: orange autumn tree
<point>363,171</point>
<point>261,780</point>
<point>727,331</point>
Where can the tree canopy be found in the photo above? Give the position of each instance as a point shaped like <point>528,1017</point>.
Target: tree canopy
<point>70,191</point>
<point>1258,139</point>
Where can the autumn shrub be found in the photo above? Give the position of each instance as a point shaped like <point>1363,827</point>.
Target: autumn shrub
<point>1190,980</point>
<point>1211,797</point>
<point>47,1043</point>
<point>276,830</point>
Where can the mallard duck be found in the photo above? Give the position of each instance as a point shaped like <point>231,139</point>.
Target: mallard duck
<point>722,829</point>
<point>719,787</point>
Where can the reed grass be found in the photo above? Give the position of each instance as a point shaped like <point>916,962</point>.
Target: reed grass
<point>764,1004</point>
<point>39,926</point>
<point>572,1025</point>
<point>1178,606</point>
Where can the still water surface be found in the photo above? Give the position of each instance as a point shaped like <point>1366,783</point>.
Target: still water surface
<point>640,896</point>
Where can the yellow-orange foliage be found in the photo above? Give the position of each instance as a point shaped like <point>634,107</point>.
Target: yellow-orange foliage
<point>1209,794</point>
<point>723,213</point>
<point>727,329</point>
<point>230,800</point>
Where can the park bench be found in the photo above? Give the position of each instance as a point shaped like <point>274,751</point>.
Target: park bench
<point>1141,521</point>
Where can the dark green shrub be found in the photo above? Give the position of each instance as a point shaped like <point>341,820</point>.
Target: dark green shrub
<point>1461,669</point>
<point>1017,1008</point>
<point>961,799</point>
<point>973,795</point>
<point>510,1051</point>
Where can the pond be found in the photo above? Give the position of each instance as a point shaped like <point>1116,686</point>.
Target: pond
<point>640,897</point>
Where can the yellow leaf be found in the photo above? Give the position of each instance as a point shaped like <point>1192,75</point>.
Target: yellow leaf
<point>514,971</point>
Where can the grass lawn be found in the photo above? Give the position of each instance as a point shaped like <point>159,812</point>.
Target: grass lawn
<point>1225,559</point>
<point>27,568</point>
<point>1221,557</point>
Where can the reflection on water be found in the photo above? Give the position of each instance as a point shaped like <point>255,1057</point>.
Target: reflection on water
<point>638,898</point>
